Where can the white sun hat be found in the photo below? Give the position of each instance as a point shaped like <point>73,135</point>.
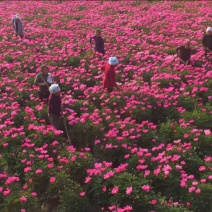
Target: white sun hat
<point>54,88</point>
<point>17,16</point>
<point>208,29</point>
<point>113,61</point>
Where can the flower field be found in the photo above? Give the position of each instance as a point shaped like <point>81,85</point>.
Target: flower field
<point>148,152</point>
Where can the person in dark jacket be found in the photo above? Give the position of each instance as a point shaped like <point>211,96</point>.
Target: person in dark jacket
<point>207,41</point>
<point>44,80</point>
<point>184,53</point>
<point>18,26</point>
<point>99,42</point>
<point>54,106</point>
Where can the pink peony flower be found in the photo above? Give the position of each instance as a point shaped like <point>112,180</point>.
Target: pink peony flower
<point>129,190</point>
<point>203,180</point>
<point>33,194</point>
<point>6,192</point>
<point>38,171</point>
<point>198,191</point>
<point>82,194</point>
<point>202,168</point>
<point>104,189</point>
<point>154,201</point>
<point>23,199</point>
<point>207,132</point>
<point>52,179</point>
<point>146,188</point>
<point>115,190</point>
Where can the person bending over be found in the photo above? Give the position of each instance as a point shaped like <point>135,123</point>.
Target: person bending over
<point>184,53</point>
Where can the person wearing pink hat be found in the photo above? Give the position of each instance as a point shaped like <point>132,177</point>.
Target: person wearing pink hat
<point>207,41</point>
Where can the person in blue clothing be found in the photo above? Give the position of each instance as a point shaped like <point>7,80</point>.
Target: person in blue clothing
<point>18,26</point>
<point>99,42</point>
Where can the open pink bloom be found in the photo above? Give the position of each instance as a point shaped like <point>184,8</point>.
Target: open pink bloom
<point>33,194</point>
<point>104,189</point>
<point>23,199</point>
<point>129,190</point>
<point>52,179</point>
<point>154,201</point>
<point>207,132</point>
<point>202,168</point>
<point>115,190</point>
<point>6,192</point>
<point>82,194</point>
<point>198,191</point>
<point>108,175</point>
<point>146,188</point>
<point>210,177</point>
<point>38,171</point>
<point>128,208</point>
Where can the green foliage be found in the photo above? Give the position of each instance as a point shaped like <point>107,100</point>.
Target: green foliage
<point>90,82</point>
<point>83,134</point>
<point>170,51</point>
<point>140,114</point>
<point>8,58</point>
<point>202,119</point>
<point>147,76</point>
<point>73,61</point>
<point>189,103</point>
<point>12,203</point>
<point>77,168</point>
<point>202,201</point>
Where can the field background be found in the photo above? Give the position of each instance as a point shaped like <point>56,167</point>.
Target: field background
<point>150,152</point>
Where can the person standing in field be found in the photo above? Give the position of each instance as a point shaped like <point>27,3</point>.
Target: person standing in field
<point>109,80</point>
<point>54,105</point>
<point>18,26</point>
<point>43,80</point>
<point>184,52</point>
<point>99,42</point>
<point>207,41</point>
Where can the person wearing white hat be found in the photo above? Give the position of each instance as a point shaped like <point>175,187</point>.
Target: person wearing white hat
<point>18,26</point>
<point>184,52</point>
<point>54,105</point>
<point>207,41</point>
<point>109,80</point>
